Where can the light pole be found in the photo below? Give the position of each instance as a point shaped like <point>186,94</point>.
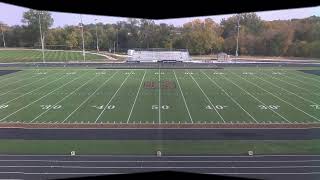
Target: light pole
<point>83,51</point>
<point>41,35</point>
<point>238,27</point>
<point>4,42</point>
<point>97,35</point>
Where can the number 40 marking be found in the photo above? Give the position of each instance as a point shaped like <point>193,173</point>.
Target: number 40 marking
<point>216,106</point>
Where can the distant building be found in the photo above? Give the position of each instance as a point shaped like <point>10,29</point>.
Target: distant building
<point>223,56</point>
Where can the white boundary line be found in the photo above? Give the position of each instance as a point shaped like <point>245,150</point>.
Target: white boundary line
<point>41,97</point>
<point>135,99</point>
<point>64,98</point>
<point>230,97</point>
<point>114,95</point>
<point>256,99</point>
<point>106,81</point>
<point>277,97</point>
<point>207,98</point>
<point>34,89</point>
<point>184,100</point>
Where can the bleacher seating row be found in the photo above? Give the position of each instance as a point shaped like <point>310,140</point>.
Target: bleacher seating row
<point>158,56</point>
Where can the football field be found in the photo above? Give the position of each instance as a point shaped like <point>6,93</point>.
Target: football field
<point>160,96</point>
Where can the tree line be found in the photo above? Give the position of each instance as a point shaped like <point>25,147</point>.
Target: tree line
<point>257,37</point>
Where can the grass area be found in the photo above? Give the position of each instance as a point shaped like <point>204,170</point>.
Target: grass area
<point>244,95</point>
<point>7,56</point>
<point>168,147</point>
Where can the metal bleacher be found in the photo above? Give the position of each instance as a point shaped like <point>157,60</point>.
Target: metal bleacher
<point>160,56</point>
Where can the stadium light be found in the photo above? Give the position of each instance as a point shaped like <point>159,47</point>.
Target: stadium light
<point>97,35</point>
<point>4,42</point>
<point>238,27</point>
<point>41,35</point>
<point>83,50</point>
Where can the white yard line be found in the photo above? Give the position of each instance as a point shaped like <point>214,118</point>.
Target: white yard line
<point>159,97</point>
<point>306,77</point>
<point>290,91</point>
<point>230,97</point>
<point>40,98</point>
<point>135,99</point>
<point>114,95</point>
<point>279,98</point>
<point>33,89</point>
<point>301,82</point>
<point>184,100</point>
<point>63,99</point>
<point>256,99</point>
<point>207,98</point>
<point>89,96</point>
<point>19,81</point>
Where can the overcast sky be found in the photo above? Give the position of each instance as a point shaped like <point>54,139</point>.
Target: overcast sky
<point>12,15</point>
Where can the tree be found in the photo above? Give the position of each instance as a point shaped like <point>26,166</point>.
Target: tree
<point>31,20</point>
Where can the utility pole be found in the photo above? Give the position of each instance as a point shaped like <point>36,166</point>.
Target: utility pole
<point>238,28</point>
<point>83,51</point>
<point>97,35</point>
<point>41,35</point>
<point>4,42</point>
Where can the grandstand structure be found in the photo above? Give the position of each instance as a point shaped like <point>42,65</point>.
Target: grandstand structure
<point>158,55</point>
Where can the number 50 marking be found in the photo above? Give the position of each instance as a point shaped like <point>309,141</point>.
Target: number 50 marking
<point>315,106</point>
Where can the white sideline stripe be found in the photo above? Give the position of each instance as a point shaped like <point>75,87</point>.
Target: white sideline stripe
<point>34,89</point>
<point>256,99</point>
<point>63,99</point>
<point>159,105</point>
<point>302,82</point>
<point>90,96</point>
<point>184,100</point>
<point>207,98</point>
<point>165,167</point>
<point>230,97</point>
<point>168,161</point>
<point>135,99</point>
<point>290,91</point>
<point>40,97</point>
<point>282,99</point>
<point>114,95</point>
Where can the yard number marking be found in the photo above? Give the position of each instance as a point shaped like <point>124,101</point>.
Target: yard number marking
<point>162,107</point>
<point>220,107</point>
<point>102,106</point>
<point>129,73</point>
<point>188,73</point>
<point>316,106</point>
<point>218,73</point>
<point>279,73</point>
<point>158,73</point>
<point>71,73</point>
<point>248,73</point>
<point>41,73</point>
<point>269,107</point>
<point>50,106</point>
<point>98,73</point>
<point>3,106</point>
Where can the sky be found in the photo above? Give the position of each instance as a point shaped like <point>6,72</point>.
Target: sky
<point>12,15</point>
